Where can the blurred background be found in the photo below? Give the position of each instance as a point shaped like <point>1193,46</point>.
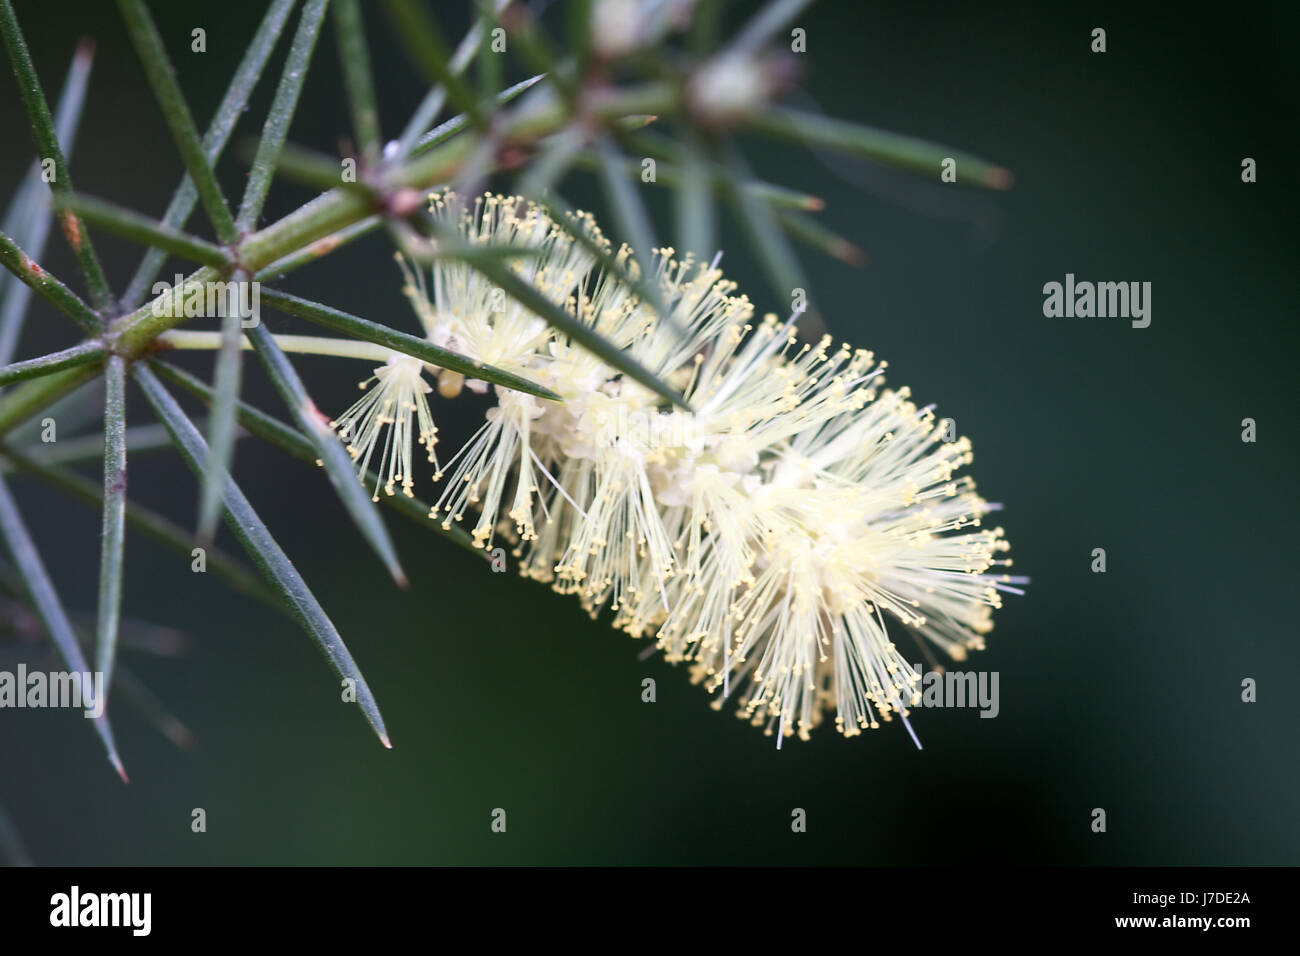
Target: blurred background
<point>1119,690</point>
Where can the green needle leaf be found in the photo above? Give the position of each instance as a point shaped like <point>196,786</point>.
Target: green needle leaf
<point>47,143</point>
<point>113,538</point>
<point>420,348</point>
<point>812,233</point>
<point>150,232</point>
<point>647,291</point>
<point>420,37</point>
<point>144,700</point>
<point>262,548</point>
<point>288,439</point>
<point>258,422</point>
<point>54,291</point>
<point>318,249</point>
<point>764,25</point>
<point>84,353</point>
<point>302,165</point>
<point>434,100</point>
<point>671,170</point>
<point>214,141</point>
<point>556,157</point>
<point>48,606</point>
<point>891,149</point>
<point>445,131</point>
<point>696,223</point>
<point>162,79</point>
<point>527,296</point>
<point>67,451</point>
<point>277,123</point>
<point>28,217</point>
<point>221,429</point>
<point>765,236</point>
<point>360,85</point>
<point>629,211</point>
<point>148,523</point>
<point>27,399</point>
<point>338,464</point>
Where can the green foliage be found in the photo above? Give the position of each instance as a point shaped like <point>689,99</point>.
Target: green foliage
<point>587,109</point>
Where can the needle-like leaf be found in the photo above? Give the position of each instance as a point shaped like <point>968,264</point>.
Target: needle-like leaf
<point>629,211</point>
<point>28,218</point>
<point>318,249</point>
<point>55,292</point>
<point>556,157</point>
<point>299,164</point>
<point>146,701</point>
<point>113,537</point>
<point>31,397</point>
<point>765,237</point>
<point>162,79</point>
<point>763,26</point>
<point>670,170</point>
<point>445,131</point>
<point>47,143</point>
<point>530,298</point>
<point>276,128</point>
<point>49,608</point>
<point>221,452</point>
<point>131,225</point>
<point>333,456</point>
<point>812,233</point>
<point>288,439</point>
<point>280,572</point>
<point>214,141</point>
<point>424,45</point>
<point>434,100</point>
<point>536,50</point>
<point>696,221</point>
<point>148,523</point>
<point>83,353</point>
<point>67,451</point>
<point>81,407</point>
<point>357,81</point>
<point>891,149</point>
<point>420,348</point>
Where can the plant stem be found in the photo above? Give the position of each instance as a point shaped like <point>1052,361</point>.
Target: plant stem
<point>133,334</point>
<point>300,344</point>
<point>27,399</point>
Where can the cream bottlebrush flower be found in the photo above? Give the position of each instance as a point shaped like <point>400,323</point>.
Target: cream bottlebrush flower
<point>392,417</point>
<point>777,538</point>
<point>467,314</point>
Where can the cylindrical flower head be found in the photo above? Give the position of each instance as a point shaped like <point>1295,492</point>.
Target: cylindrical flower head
<point>779,537</point>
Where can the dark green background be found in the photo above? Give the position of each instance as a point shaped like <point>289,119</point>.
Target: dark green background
<point>1119,691</point>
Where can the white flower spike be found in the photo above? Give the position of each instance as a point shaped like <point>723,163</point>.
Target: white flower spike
<point>777,538</point>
